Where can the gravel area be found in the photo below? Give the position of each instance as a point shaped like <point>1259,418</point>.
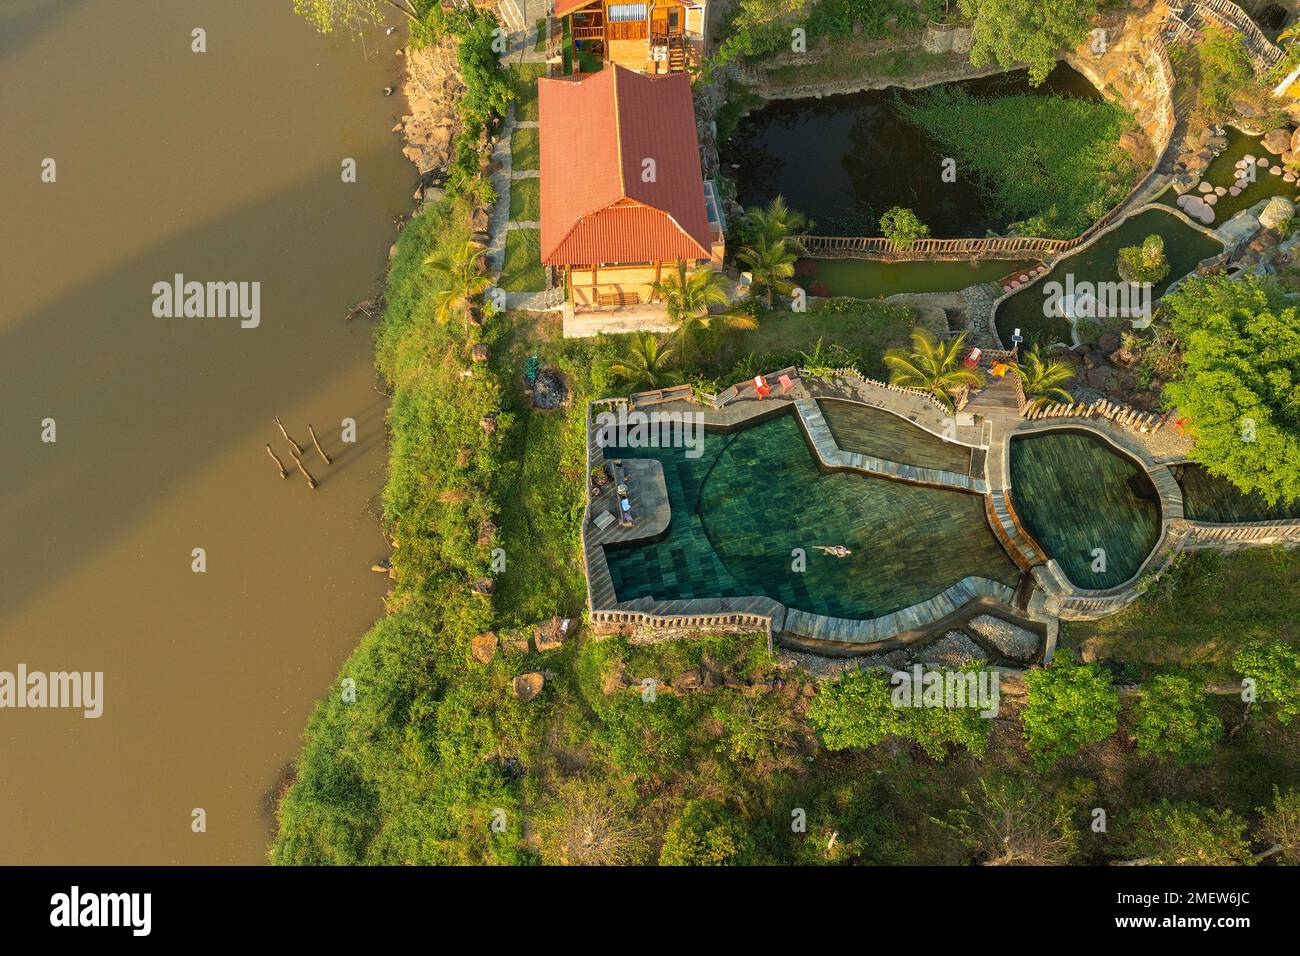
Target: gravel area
<point>1013,641</point>
<point>954,649</point>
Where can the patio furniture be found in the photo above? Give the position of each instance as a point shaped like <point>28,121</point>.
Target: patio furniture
<point>786,384</point>
<point>726,397</point>
<point>603,520</point>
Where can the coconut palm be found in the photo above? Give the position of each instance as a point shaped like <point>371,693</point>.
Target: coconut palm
<point>647,363</point>
<point>933,366</point>
<point>687,300</point>
<point>456,272</point>
<point>771,261</point>
<point>1041,380</point>
<point>776,221</point>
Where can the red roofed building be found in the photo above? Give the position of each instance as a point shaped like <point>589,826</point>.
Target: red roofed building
<point>622,195</point>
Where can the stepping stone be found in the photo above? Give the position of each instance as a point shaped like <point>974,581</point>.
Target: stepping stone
<point>1234,190</point>
<point>1288,177</point>
<point>1263,161</point>
<point>1023,278</point>
<point>1206,215</point>
<point>1211,200</point>
<point>1220,191</point>
<point>1276,171</point>
<point>1205,187</point>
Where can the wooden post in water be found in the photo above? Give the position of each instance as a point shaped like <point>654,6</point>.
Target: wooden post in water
<point>311,482</point>
<point>280,425</point>
<point>319,449</point>
<point>278,463</point>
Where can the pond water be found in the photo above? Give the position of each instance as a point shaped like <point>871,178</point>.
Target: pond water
<point>1222,172</point>
<point>756,494</point>
<point>1184,248</point>
<point>222,166</point>
<point>870,279</point>
<point>844,160</point>
<point>1210,498</point>
<point>1076,494</point>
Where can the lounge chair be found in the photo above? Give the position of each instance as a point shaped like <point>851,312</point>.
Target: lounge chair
<point>786,384</point>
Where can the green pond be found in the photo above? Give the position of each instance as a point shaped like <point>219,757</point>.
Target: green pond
<point>1222,172</point>
<point>1209,498</point>
<point>869,279</point>
<point>1184,248</point>
<point>1075,495</point>
<point>740,509</point>
<point>881,434</point>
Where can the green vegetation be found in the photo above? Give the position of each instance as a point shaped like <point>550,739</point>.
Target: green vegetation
<point>1180,834</point>
<point>526,199</point>
<point>523,79</point>
<point>687,302</point>
<point>455,271</point>
<point>1015,32</point>
<point>522,269</point>
<point>1070,706</point>
<point>350,16</point>
<point>1175,719</point>
<point>857,711</point>
<point>1224,70</point>
<point>1144,263</point>
<point>1240,382</point>
<point>1275,672</point>
<point>933,366</point>
<point>647,363</point>
<point>1041,379</point>
<point>1208,606</point>
<point>540,45</point>
<point>902,227</point>
<point>525,151</point>
<point>1051,163</point>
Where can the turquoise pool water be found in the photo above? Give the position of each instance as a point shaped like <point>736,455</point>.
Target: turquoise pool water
<point>740,509</point>
<point>1075,494</point>
<point>1184,247</point>
<point>1218,501</point>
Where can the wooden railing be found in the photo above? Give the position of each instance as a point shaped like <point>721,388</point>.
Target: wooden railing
<point>994,247</point>
<point>588,33</point>
<point>1262,51</point>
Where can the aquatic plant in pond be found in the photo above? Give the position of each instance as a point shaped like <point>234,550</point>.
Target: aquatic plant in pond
<point>845,160</point>
<point>1093,510</point>
<point>1053,164</point>
<point>755,495</point>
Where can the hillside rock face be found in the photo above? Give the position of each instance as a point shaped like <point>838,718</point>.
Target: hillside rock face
<point>432,89</point>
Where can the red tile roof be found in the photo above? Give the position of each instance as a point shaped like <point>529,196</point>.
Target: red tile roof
<point>596,134</point>
<point>568,6</point>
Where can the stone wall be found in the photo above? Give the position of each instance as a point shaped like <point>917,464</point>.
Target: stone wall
<point>947,38</point>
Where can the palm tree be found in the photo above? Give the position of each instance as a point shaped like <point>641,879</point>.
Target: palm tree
<point>777,221</point>
<point>688,299</point>
<point>1041,380</point>
<point>457,274</point>
<point>647,363</point>
<point>772,263</point>
<point>932,366</point>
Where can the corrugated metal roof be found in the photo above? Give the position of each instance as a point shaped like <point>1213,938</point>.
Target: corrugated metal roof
<point>620,170</point>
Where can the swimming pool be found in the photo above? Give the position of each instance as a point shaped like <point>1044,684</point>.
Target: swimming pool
<point>741,509</point>
<point>1083,501</point>
<point>873,431</point>
<point>1216,500</point>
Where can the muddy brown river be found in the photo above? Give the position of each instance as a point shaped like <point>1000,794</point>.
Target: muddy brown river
<point>221,166</point>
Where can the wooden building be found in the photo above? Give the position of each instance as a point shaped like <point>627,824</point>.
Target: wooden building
<point>622,195</point>
<point>657,36</point>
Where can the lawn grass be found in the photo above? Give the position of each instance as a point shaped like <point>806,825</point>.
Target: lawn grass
<point>522,270</point>
<point>524,148</point>
<point>540,45</point>
<point>526,199</point>
<point>524,77</point>
<point>866,329</point>
<point>1201,612</point>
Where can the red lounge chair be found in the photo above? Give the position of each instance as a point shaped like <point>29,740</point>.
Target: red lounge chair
<point>786,384</point>
<point>761,386</point>
<point>972,358</point>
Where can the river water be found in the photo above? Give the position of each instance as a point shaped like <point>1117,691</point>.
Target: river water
<point>223,166</point>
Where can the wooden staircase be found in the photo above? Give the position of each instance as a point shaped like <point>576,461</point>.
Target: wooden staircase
<point>1002,517</point>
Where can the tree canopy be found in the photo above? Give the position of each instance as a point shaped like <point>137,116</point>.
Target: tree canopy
<point>1240,385</point>
<point>1032,32</point>
<point>1069,707</point>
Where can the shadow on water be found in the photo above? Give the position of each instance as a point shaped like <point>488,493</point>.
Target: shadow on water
<point>844,160</point>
